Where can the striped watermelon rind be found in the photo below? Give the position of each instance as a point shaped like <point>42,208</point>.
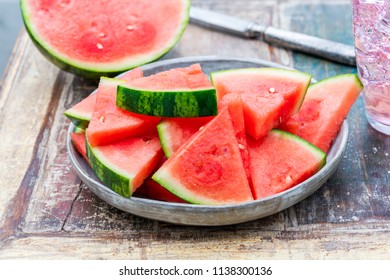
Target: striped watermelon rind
<point>168,103</point>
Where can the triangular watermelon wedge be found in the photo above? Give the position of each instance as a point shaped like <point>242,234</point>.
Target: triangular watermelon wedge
<point>208,169</point>
<point>280,161</point>
<point>124,165</point>
<point>81,113</point>
<point>235,107</point>
<point>324,109</point>
<point>110,123</point>
<point>274,94</point>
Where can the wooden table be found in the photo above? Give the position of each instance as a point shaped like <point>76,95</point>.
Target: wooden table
<point>48,213</point>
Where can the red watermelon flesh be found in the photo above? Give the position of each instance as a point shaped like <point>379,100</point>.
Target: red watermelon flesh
<point>280,161</point>
<point>270,95</point>
<point>78,140</point>
<point>262,112</point>
<point>208,169</point>
<point>325,107</point>
<point>174,132</point>
<point>235,107</point>
<point>110,123</point>
<point>191,77</point>
<point>83,110</point>
<point>105,36</point>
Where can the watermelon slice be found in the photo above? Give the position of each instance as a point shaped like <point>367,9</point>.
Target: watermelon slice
<point>124,165</point>
<point>110,123</point>
<point>280,161</point>
<point>270,95</point>
<point>208,169</point>
<point>78,140</point>
<point>81,113</point>
<point>174,132</point>
<point>180,92</point>
<point>235,107</point>
<point>326,105</point>
<point>104,38</point>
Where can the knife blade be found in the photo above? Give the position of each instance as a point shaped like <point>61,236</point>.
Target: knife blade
<point>312,45</point>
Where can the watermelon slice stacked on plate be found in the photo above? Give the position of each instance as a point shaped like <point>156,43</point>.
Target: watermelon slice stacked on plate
<point>246,135</point>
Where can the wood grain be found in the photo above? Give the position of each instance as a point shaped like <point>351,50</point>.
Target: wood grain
<point>46,212</point>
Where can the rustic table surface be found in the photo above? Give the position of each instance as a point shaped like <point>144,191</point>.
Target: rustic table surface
<point>46,212</point>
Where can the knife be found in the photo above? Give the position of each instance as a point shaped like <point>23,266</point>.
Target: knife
<point>330,50</point>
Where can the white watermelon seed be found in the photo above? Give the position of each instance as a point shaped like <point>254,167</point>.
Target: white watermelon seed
<point>99,46</point>
<point>272,90</point>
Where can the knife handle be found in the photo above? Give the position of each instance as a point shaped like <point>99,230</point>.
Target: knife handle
<point>330,50</point>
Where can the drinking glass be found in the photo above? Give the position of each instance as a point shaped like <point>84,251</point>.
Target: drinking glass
<point>371,26</point>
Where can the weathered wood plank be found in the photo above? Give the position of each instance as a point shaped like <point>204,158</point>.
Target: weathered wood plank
<point>27,100</point>
<point>209,245</point>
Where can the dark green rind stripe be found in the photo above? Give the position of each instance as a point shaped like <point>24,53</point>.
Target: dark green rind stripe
<point>180,103</point>
<point>113,180</point>
<point>302,142</point>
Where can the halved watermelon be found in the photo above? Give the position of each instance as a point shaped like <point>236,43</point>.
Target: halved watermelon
<point>326,105</point>
<point>270,95</point>
<point>208,169</point>
<point>174,132</point>
<point>281,160</point>
<point>180,92</point>
<point>103,38</point>
<point>110,123</point>
<point>81,113</point>
<point>124,165</point>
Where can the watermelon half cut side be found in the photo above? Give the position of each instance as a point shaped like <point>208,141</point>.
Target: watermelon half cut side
<point>324,109</point>
<point>124,165</point>
<point>270,95</point>
<point>180,92</point>
<point>208,169</point>
<point>81,113</point>
<point>104,38</point>
<point>280,161</point>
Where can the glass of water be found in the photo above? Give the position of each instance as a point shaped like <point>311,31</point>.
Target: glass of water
<point>371,25</point>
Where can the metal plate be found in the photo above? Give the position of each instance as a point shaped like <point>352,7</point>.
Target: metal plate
<point>187,214</point>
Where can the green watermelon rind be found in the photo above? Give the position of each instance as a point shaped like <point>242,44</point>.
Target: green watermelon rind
<point>337,78</point>
<point>184,103</point>
<point>317,152</point>
<point>79,120</point>
<point>165,179</point>
<point>111,176</point>
<point>271,72</point>
<point>164,139</point>
<point>90,70</point>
